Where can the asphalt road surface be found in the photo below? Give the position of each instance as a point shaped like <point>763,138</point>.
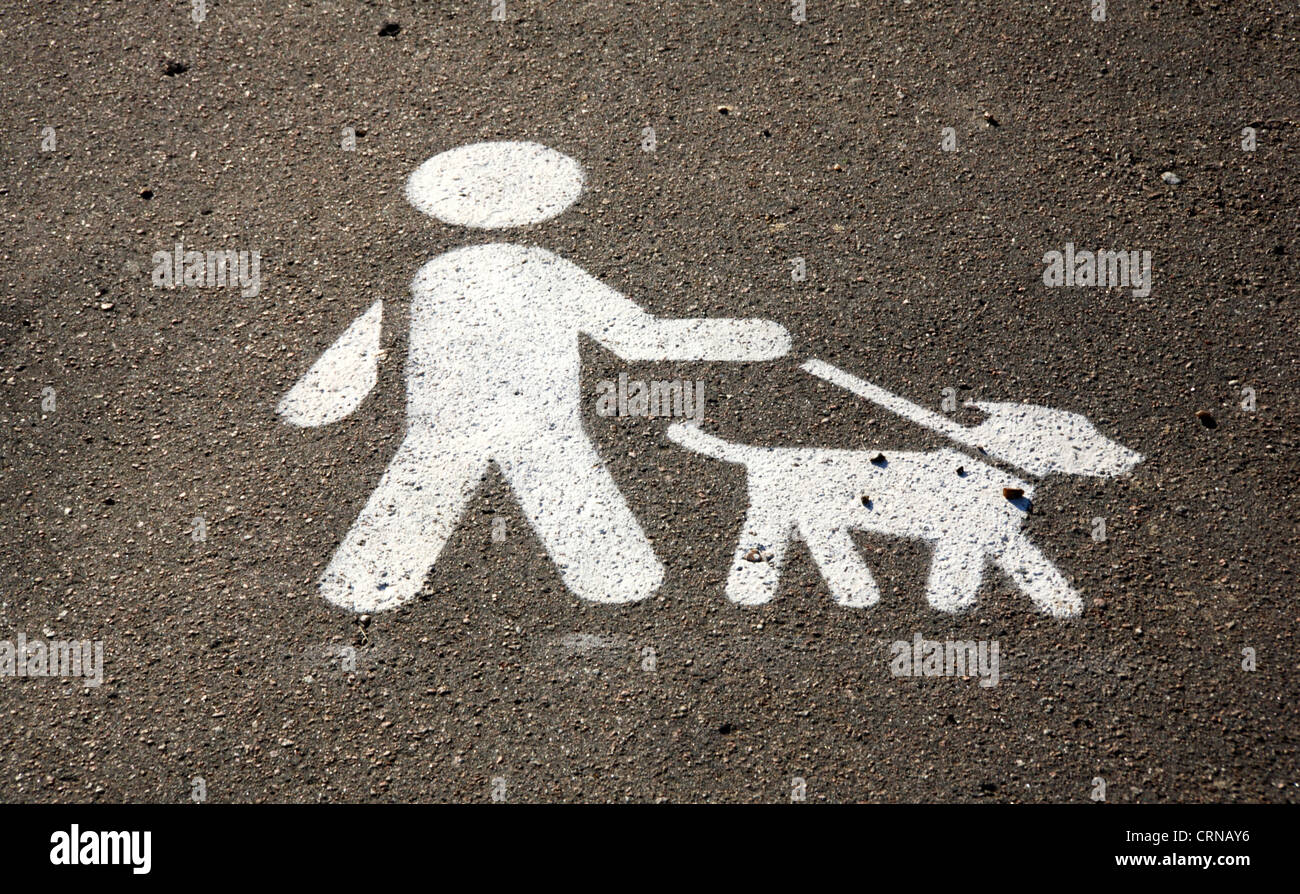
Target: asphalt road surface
<point>921,158</point>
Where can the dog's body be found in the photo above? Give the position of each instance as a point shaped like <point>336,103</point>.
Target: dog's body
<point>822,495</point>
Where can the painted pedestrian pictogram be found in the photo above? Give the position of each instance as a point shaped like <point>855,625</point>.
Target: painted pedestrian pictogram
<point>493,376</point>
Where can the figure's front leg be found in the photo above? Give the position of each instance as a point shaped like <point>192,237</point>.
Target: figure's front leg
<point>580,515</point>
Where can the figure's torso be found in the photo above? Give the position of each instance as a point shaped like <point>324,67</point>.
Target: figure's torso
<point>494,331</point>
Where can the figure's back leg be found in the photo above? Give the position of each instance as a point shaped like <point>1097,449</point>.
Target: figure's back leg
<point>390,548</point>
<point>842,566</point>
<point>956,569</point>
<point>581,518</point>
<point>1038,578</point>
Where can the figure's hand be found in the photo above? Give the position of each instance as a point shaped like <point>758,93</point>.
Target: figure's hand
<point>652,338</point>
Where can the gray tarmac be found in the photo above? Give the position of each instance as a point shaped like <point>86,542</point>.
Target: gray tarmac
<point>226,676</point>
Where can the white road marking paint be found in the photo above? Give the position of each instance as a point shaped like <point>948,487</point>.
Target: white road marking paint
<point>342,377</point>
<point>1039,440</point>
<point>491,185</point>
<point>493,376</point>
<point>822,495</point>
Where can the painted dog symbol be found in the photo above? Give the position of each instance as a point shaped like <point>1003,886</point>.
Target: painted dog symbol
<point>492,375</point>
<point>942,496</point>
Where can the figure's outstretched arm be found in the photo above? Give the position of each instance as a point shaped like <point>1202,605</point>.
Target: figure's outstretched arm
<point>655,338</point>
<point>622,326</point>
<point>342,377</point>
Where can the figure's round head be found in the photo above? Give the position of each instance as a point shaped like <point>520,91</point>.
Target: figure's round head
<point>494,185</point>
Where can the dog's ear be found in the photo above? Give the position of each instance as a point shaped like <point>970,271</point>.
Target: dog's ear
<point>342,377</point>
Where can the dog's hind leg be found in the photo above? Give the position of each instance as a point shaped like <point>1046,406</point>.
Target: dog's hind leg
<point>760,551</point>
<point>850,580</point>
<point>955,573</point>
<point>1038,578</point>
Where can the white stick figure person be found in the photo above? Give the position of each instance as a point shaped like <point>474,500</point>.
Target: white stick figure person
<point>493,375</point>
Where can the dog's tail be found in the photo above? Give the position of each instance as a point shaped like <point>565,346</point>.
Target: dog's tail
<point>692,437</point>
